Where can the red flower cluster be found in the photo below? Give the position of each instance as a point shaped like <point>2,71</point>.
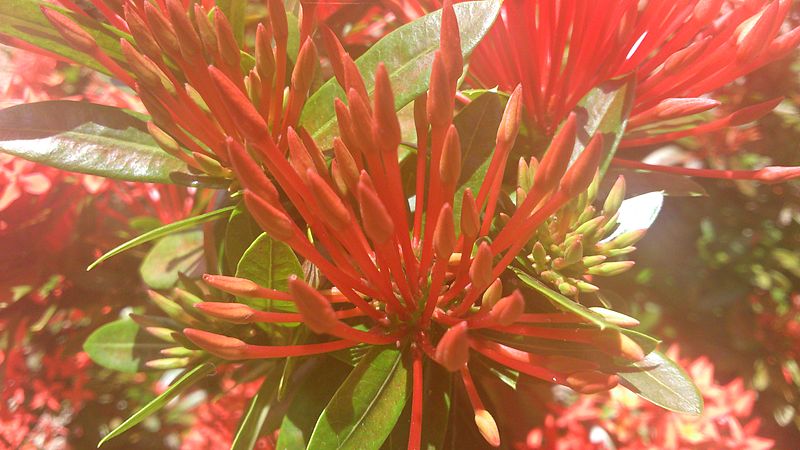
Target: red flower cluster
<point>622,420</point>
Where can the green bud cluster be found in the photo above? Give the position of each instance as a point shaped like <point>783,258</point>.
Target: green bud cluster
<point>570,247</point>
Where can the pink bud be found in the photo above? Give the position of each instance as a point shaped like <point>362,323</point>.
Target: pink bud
<point>512,119</point>
<point>334,212</point>
<point>232,285</point>
<point>229,312</point>
<point>223,346</point>
<point>275,222</point>
<point>247,118</point>
<point>508,309</point>
<point>580,174</point>
<point>470,217</point>
<point>444,236</point>
<point>480,272</point>
<point>440,95</point>
<point>387,126</point>
<point>378,224</point>
<point>556,159</point>
<point>76,36</point>
<point>450,164</point>
<point>317,312</point>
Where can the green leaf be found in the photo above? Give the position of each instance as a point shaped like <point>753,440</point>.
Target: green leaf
<point>664,383</point>
<point>24,20</point>
<point>253,420</point>
<point>240,233</point>
<point>181,252</point>
<point>477,127</point>
<point>123,346</point>
<point>166,230</point>
<point>86,138</point>
<point>308,403</point>
<point>408,55</point>
<point>187,379</point>
<point>269,263</point>
<point>605,109</point>
<point>235,12</point>
<point>366,406</point>
<point>563,303</point>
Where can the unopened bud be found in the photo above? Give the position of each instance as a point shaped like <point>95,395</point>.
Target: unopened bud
<point>317,312</point>
<point>265,60</point>
<point>450,43</point>
<point>347,164</point>
<point>75,36</point>
<point>492,294</point>
<point>444,236</point>
<point>165,334</point>
<point>615,197</point>
<point>162,30</point>
<point>206,32</point>
<point>755,39</point>
<point>508,309</point>
<point>277,16</point>
<point>625,239</point>
<point>450,164</point>
<point>378,223</point>
<point>614,317</point>
<point>777,174</point>
<point>586,287</point>
<point>610,269</point>
<point>250,173</point>
<point>573,253</point>
<point>275,222</point>
<point>362,120</point>
<point>582,172</point>
<point>511,120</point>
<point>229,312</point>
<point>616,343</point>
<point>223,346</point>
<point>539,255</point>
<point>452,352</point>
<point>226,41</point>
<point>387,126</point>
<point>556,159</point>
<point>470,216</point>
<point>753,112</point>
<point>172,309</point>
<point>335,212</point>
<point>191,47</point>
<point>440,95</point>
<point>567,289</point>
<point>164,140</point>
<point>487,427</point>
<point>480,271</point>
<point>141,34</point>
<point>303,72</point>
<point>247,118</point>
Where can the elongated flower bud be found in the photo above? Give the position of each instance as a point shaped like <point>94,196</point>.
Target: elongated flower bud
<point>508,309</point>
<point>335,213</point>
<point>353,79</point>
<point>347,164</point>
<point>777,174</point>
<point>672,108</point>
<point>250,173</point>
<point>335,53</point>
<point>615,197</point>
<point>480,272</point>
<point>452,352</point>
<point>758,37</point>
<point>303,72</point>
<point>493,294</point>
<point>618,344</point>
<point>147,72</point>
<point>265,60</point>
<point>556,159</point>
<point>277,16</point>
<point>610,269</point>
<point>753,112</point>
<point>318,314</point>
<point>164,140</point>
<point>276,223</point>
<point>223,346</point>
<point>444,236</point>
<point>362,121</point>
<point>378,224</point>
<point>232,285</point>
<point>162,30</point>
<point>226,41</point>
<point>614,317</point>
<point>583,170</point>
<point>205,31</point>
<point>387,126</point>
<point>487,427</point>
<point>229,312</point>
<point>450,43</point>
<point>300,158</point>
<point>440,96</point>
<point>76,36</point>
<point>191,47</point>
<point>450,165</point>
<point>141,34</point>
<point>511,121</point>
<point>247,118</point>
<point>470,217</point>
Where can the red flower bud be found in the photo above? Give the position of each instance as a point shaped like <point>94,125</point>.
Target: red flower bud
<point>141,34</point>
<point>247,118</point>
<point>229,312</point>
<point>591,381</point>
<point>450,164</point>
<point>223,346</point>
<point>189,41</point>
<point>317,312</point>
<point>480,272</point>
<point>556,159</point>
<point>508,309</point>
<point>275,222</point>
<point>347,165</point>
<point>378,224</point>
<point>452,352</point>
<point>226,41</point>
<point>334,212</point>
<point>511,121</point>
<point>277,16</point>
<point>250,173</point>
<point>450,43</point>
<point>232,285</point>
<point>265,59</point>
<point>444,237</point>
<point>470,217</point>
<point>440,95</point>
<point>162,30</point>
<point>580,174</point>
<point>387,126</point>
<point>487,427</point>
<point>303,72</point>
<point>75,36</point>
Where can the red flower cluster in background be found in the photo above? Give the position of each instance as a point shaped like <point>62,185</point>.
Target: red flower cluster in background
<point>621,420</point>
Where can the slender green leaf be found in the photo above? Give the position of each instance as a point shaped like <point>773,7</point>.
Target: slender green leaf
<point>308,403</point>
<point>407,54</point>
<point>22,19</point>
<point>366,406</point>
<point>177,253</point>
<point>664,383</point>
<point>163,231</point>
<point>87,138</point>
<point>123,346</point>
<point>253,420</point>
<point>605,110</point>
<point>671,185</point>
<point>269,263</point>
<point>187,379</point>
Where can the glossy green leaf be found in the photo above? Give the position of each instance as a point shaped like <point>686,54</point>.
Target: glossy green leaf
<point>177,253</point>
<point>661,381</point>
<point>254,417</point>
<point>408,55</point>
<point>269,263</point>
<point>308,403</point>
<point>240,233</point>
<point>22,19</point>
<point>87,138</point>
<point>123,346</point>
<point>366,406</point>
<point>477,125</point>
<point>187,379</point>
<point>235,12</point>
<point>605,109</point>
<point>163,231</point>
<point>565,304</point>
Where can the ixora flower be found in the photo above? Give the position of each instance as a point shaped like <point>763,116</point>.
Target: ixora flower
<point>408,275</point>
